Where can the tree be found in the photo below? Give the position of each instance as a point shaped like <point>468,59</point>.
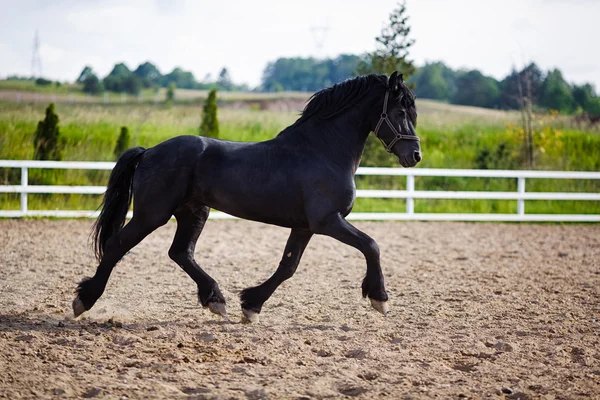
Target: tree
<point>394,44</point>
<point>586,99</point>
<point>131,84</point>
<point>209,126</point>
<point>307,74</point>
<point>92,85</point>
<point>525,101</point>
<point>556,93</point>
<point>121,79</point>
<point>511,94</point>
<point>291,74</point>
<point>87,71</point>
<point>47,137</point>
<point>123,142</point>
<point>148,74</point>
<point>475,89</point>
<point>182,79</point>
<point>434,81</point>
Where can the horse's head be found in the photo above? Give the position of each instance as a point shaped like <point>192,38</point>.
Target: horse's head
<point>397,121</point>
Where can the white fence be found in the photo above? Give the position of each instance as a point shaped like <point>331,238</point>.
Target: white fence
<point>410,194</point>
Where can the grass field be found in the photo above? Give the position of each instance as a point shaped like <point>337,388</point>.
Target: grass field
<point>28,91</point>
<point>452,137</point>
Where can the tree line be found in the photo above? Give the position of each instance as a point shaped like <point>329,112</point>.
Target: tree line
<point>527,88</point>
<point>123,80</point>
<point>434,80</point>
<point>437,81</point>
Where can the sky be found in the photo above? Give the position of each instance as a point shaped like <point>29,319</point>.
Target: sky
<point>204,36</point>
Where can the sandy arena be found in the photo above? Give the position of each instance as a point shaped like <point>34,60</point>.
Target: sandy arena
<point>478,311</point>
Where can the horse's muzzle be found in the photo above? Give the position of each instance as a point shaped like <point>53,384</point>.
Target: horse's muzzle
<point>406,162</point>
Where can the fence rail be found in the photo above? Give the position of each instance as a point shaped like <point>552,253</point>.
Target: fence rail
<point>410,194</point>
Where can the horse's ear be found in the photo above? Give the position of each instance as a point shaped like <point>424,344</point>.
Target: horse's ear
<point>393,82</point>
<point>401,78</point>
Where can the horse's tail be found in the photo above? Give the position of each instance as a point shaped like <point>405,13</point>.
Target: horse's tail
<point>117,200</point>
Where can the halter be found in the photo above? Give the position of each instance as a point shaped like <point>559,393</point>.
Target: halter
<point>384,118</point>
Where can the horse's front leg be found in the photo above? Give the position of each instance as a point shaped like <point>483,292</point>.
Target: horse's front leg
<point>338,228</point>
<point>253,298</point>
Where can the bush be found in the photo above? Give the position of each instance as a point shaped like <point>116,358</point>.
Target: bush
<point>46,142</point>
<point>209,126</point>
<point>123,142</point>
<point>43,82</point>
<point>170,93</point>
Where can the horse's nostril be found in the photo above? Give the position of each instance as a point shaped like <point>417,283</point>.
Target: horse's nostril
<point>417,156</point>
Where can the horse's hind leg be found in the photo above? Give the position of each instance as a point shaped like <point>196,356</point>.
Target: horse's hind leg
<point>253,298</point>
<point>189,227</point>
<point>90,289</point>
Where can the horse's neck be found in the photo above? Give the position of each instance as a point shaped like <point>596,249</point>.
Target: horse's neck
<point>343,137</point>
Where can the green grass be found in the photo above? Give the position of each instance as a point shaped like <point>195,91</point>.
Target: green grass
<point>452,137</point>
<point>30,86</point>
<point>27,91</point>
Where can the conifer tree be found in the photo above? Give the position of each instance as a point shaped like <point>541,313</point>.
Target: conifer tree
<point>46,142</point>
<point>123,142</point>
<point>209,126</point>
<point>394,44</point>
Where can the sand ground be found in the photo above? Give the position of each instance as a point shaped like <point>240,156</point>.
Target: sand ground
<point>478,311</point>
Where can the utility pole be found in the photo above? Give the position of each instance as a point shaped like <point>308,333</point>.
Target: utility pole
<point>36,60</point>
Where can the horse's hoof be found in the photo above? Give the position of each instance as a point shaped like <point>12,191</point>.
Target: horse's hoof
<point>218,308</point>
<point>249,316</point>
<point>380,306</point>
<point>78,307</point>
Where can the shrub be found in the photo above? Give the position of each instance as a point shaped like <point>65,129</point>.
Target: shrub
<point>123,142</point>
<point>46,142</point>
<point>209,126</point>
<point>170,93</point>
<point>42,82</point>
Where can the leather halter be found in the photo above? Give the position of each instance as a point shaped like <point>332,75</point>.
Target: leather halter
<point>398,135</point>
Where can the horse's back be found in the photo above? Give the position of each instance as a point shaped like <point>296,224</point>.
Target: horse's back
<point>257,181</point>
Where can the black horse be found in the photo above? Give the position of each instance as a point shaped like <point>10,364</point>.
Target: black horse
<point>302,179</point>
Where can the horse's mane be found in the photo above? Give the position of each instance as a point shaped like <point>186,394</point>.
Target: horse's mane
<point>338,98</point>
<point>334,100</point>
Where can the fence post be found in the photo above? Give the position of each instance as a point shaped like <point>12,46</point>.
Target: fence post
<point>410,188</point>
<point>521,190</point>
<point>24,183</point>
